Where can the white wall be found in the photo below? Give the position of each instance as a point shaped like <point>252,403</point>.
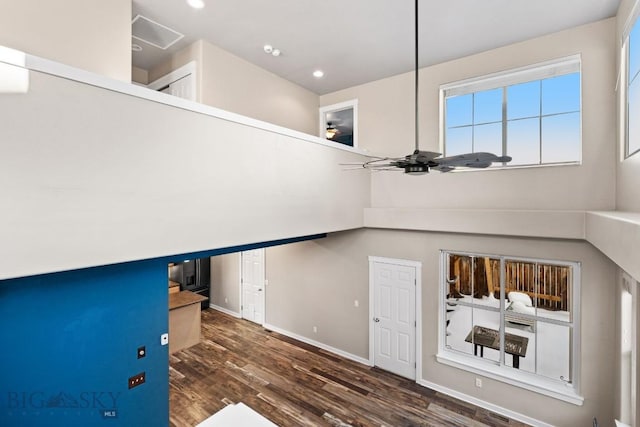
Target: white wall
<point>233,84</point>
<point>94,35</point>
<point>225,281</point>
<point>315,283</point>
<point>628,170</point>
<point>623,244</point>
<point>139,75</point>
<point>100,177</point>
<point>386,127</point>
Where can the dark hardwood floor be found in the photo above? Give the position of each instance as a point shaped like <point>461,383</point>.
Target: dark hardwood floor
<point>295,384</point>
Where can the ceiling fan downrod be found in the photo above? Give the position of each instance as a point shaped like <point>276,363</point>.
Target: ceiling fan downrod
<point>417,149</point>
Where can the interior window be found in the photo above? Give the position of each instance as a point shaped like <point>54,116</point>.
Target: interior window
<point>338,123</point>
<point>532,115</point>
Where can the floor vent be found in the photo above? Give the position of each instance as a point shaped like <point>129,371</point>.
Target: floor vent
<point>153,33</point>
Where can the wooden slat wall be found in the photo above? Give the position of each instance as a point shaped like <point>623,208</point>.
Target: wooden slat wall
<point>547,285</point>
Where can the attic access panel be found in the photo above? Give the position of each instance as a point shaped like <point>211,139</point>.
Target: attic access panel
<point>154,33</point>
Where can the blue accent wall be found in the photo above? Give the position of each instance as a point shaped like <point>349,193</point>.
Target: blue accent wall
<point>68,345</point>
<point>69,341</point>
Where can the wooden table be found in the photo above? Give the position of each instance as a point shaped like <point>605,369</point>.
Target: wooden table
<point>184,320</point>
<point>515,345</point>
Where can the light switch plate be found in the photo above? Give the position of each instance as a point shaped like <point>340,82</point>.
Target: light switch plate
<point>164,339</point>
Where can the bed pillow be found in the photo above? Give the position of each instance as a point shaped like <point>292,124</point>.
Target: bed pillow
<point>520,296</point>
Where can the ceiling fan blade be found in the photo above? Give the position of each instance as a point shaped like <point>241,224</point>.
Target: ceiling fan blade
<point>443,169</point>
<point>381,166</point>
<point>387,161</point>
<point>424,156</point>
<point>394,169</point>
<point>353,168</point>
<point>472,160</point>
<point>504,159</point>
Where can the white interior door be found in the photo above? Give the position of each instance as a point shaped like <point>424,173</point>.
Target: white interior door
<point>182,88</point>
<point>394,318</point>
<point>180,82</point>
<point>252,282</point>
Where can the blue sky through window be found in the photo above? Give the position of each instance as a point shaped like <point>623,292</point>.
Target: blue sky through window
<point>459,110</point>
<point>523,100</point>
<point>487,106</point>
<point>561,94</point>
<point>541,118</point>
<point>633,92</point>
<point>634,52</point>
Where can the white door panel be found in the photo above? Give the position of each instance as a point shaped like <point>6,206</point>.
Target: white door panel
<point>253,285</point>
<point>183,88</point>
<point>394,318</point>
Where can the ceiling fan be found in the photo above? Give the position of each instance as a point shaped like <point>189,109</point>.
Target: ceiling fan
<point>420,162</point>
<point>331,131</point>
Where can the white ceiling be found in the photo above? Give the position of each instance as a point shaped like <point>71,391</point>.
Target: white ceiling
<point>357,41</point>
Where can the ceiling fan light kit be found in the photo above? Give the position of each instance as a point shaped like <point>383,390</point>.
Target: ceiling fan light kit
<point>421,162</point>
<point>331,131</point>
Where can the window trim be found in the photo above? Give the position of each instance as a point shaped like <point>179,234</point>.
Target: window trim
<point>521,379</point>
<point>322,111</point>
<point>538,71</point>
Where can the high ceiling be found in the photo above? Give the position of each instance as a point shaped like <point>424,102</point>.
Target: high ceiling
<point>357,41</point>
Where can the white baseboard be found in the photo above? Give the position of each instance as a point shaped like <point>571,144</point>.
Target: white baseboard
<point>226,311</point>
<point>319,345</point>
<point>486,405</point>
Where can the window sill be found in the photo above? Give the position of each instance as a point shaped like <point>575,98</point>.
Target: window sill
<point>514,167</point>
<point>513,377</point>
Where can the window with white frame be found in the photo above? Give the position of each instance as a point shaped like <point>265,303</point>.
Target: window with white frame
<point>339,123</point>
<point>632,50</point>
<point>531,114</point>
<point>513,319</point>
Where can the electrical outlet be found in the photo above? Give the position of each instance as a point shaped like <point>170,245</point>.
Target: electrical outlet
<point>136,380</point>
<point>315,329</point>
<point>226,300</point>
<point>479,382</point>
<point>142,352</point>
<point>356,303</point>
<point>164,339</point>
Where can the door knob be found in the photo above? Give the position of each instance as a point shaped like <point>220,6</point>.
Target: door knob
<point>260,290</point>
<point>375,319</point>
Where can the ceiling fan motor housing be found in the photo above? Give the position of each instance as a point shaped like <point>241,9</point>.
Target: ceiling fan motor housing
<point>416,169</point>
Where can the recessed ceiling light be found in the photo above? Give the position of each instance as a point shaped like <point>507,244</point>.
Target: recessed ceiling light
<point>196,4</point>
<point>318,74</point>
<point>276,52</point>
<point>268,48</point>
<point>136,47</point>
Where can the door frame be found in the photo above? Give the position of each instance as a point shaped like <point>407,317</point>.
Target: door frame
<point>264,284</point>
<point>418,330</point>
